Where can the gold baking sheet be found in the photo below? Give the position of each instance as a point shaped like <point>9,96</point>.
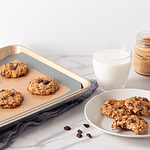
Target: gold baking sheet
<point>30,101</point>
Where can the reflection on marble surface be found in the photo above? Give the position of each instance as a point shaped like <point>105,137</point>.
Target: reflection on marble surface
<point>52,136</point>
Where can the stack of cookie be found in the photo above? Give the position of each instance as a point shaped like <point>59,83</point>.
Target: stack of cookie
<point>39,86</point>
<point>126,113</point>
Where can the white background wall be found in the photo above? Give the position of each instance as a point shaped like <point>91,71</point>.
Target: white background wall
<point>72,27</point>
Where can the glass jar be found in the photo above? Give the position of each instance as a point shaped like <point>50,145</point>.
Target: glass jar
<point>142,53</point>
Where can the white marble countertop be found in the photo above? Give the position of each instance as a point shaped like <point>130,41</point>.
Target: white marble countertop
<point>51,135</point>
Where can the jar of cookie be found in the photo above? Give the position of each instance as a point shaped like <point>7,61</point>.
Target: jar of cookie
<point>142,53</point>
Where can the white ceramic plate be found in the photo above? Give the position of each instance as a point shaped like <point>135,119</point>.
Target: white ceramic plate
<point>97,119</point>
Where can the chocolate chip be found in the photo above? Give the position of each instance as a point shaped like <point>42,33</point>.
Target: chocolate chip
<point>13,68</point>
<point>2,90</point>
<point>148,107</point>
<point>2,98</point>
<point>79,131</point>
<point>111,103</point>
<point>138,113</point>
<point>124,125</point>
<point>86,125</point>
<point>145,99</point>
<point>119,127</point>
<point>3,73</point>
<point>5,97</point>
<point>132,120</point>
<point>39,81</point>
<point>118,108</point>
<point>89,135</point>
<point>131,105</point>
<point>79,135</point>
<point>45,82</point>
<point>67,128</point>
<point>12,94</point>
<point>136,99</point>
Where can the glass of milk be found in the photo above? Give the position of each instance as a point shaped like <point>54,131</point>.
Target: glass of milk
<point>111,65</point>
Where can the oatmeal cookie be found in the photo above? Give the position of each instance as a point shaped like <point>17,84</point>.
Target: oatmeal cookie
<point>10,98</point>
<point>134,123</point>
<point>14,69</point>
<point>42,86</point>
<point>115,108</point>
<point>138,105</point>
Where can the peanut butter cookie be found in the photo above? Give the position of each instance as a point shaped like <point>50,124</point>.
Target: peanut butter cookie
<point>138,105</point>
<point>42,86</point>
<point>10,98</point>
<point>14,69</point>
<point>134,123</point>
<point>115,108</point>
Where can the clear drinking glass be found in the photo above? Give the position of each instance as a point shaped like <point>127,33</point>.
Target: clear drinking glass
<point>111,65</point>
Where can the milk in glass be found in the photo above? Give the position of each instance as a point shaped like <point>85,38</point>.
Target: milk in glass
<point>111,68</point>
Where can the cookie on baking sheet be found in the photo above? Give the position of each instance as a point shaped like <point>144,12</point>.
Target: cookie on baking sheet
<point>115,108</point>
<point>138,105</point>
<point>14,69</point>
<point>134,123</point>
<point>42,86</point>
<point>10,98</point>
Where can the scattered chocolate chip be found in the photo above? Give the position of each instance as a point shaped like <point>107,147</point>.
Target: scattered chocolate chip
<point>145,99</point>
<point>5,97</point>
<point>67,128</point>
<point>45,82</point>
<point>86,125</point>
<point>2,98</point>
<point>13,68</point>
<point>118,108</point>
<point>79,131</point>
<point>12,94</point>
<point>136,99</point>
<point>39,81</point>
<point>132,120</point>
<point>89,135</point>
<point>79,135</point>
<point>131,105</point>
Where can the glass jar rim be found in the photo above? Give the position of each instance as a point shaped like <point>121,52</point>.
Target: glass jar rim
<point>130,52</point>
<point>140,34</point>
